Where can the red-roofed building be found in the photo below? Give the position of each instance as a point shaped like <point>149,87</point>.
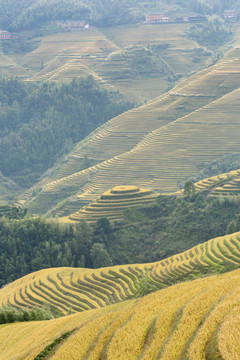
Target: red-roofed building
<point>156,17</point>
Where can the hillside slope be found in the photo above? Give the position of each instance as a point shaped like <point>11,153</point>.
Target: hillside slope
<point>195,122</point>
<point>141,61</point>
<point>192,320</point>
<point>84,289</point>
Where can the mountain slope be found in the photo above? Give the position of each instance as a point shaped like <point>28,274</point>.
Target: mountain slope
<point>195,122</point>
<point>193,319</point>
<point>84,289</point>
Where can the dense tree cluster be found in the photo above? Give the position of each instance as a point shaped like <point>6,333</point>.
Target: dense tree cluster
<point>16,15</point>
<point>212,32</point>
<point>33,244</point>
<point>41,122</point>
<point>10,314</point>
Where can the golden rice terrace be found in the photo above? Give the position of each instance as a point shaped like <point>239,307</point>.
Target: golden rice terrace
<point>85,289</point>
<point>193,320</point>
<point>113,203</point>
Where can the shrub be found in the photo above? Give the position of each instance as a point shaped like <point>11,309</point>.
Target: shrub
<point>9,314</point>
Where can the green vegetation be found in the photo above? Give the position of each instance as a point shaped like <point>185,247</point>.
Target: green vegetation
<point>213,32</point>
<point>51,347</point>
<point>12,212</point>
<point>33,244</point>
<point>69,290</point>
<point>219,166</point>
<point>212,6</point>
<point>10,314</point>
<point>99,256</point>
<point>24,14</point>
<point>41,122</point>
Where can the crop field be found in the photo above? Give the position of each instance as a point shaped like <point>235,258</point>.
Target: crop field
<point>67,45</point>
<point>78,290</point>
<point>175,48</point>
<point>113,203</point>
<point>193,319</point>
<point>66,70</point>
<point>172,34</point>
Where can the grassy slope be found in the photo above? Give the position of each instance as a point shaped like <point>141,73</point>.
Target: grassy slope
<point>195,122</point>
<point>191,318</point>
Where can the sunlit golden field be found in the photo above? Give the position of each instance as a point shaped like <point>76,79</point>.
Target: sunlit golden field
<point>85,289</point>
<point>173,322</point>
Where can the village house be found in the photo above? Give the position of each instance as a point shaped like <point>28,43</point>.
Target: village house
<point>73,25</point>
<point>156,17</point>
<point>197,18</point>
<point>5,35</point>
<point>230,14</point>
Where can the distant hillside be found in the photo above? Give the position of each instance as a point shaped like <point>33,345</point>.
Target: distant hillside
<point>195,122</point>
<point>188,319</point>
<point>141,61</point>
<point>22,14</point>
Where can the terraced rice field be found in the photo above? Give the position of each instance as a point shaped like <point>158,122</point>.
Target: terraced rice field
<point>223,184</point>
<point>62,56</point>
<point>4,209</point>
<point>197,320</point>
<point>66,46</point>
<point>173,36</point>
<point>112,203</point>
<point>164,158</point>
<point>158,144</point>
<point>79,289</point>
<point>214,181</point>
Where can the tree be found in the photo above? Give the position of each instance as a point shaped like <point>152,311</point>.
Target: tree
<point>99,256</point>
<point>189,188</point>
<point>103,233</point>
<point>232,227</point>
